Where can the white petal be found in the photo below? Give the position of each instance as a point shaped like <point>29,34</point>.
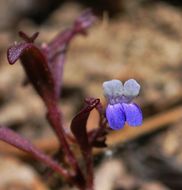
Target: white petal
<point>113,88</point>
<point>131,88</point>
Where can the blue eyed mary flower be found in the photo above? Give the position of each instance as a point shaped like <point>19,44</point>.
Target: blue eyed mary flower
<point>120,108</point>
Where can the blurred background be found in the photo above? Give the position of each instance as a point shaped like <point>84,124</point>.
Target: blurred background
<point>139,39</point>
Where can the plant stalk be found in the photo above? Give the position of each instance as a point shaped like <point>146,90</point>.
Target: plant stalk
<point>55,119</point>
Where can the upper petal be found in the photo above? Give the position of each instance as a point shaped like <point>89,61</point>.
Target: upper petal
<point>133,114</point>
<point>131,88</point>
<point>113,90</point>
<point>115,116</point>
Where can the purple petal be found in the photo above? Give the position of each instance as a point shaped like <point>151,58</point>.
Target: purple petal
<point>133,114</point>
<point>115,116</point>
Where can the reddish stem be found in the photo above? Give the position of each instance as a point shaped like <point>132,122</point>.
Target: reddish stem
<point>89,167</point>
<point>55,119</point>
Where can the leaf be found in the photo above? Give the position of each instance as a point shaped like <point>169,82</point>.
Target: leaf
<point>84,21</point>
<point>13,138</point>
<point>36,68</point>
<point>44,65</point>
<point>78,128</point>
<point>78,125</point>
<point>97,137</point>
<point>15,51</point>
<point>56,50</point>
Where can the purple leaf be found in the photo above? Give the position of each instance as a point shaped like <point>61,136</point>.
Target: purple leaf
<point>133,114</point>
<point>15,51</point>
<point>78,128</point>
<point>36,68</point>
<point>13,138</point>
<point>44,65</point>
<point>97,137</point>
<point>98,107</point>
<point>78,125</point>
<point>55,51</point>
<point>44,69</point>
<point>83,22</point>
<point>60,42</point>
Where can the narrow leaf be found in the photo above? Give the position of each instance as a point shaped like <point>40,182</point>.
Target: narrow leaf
<point>78,128</point>
<point>13,138</point>
<point>56,50</point>
<point>97,137</point>
<point>36,68</point>
<point>15,51</point>
<point>78,125</point>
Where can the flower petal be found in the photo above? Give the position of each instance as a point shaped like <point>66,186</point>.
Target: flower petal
<point>113,91</point>
<point>133,114</point>
<point>131,88</point>
<point>115,116</point>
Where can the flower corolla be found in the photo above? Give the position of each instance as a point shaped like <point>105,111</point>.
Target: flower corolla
<point>120,108</point>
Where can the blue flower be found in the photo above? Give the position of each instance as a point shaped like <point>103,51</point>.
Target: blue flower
<point>120,108</point>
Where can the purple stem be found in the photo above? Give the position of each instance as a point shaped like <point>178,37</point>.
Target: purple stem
<point>78,128</point>
<point>89,167</point>
<point>55,119</point>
